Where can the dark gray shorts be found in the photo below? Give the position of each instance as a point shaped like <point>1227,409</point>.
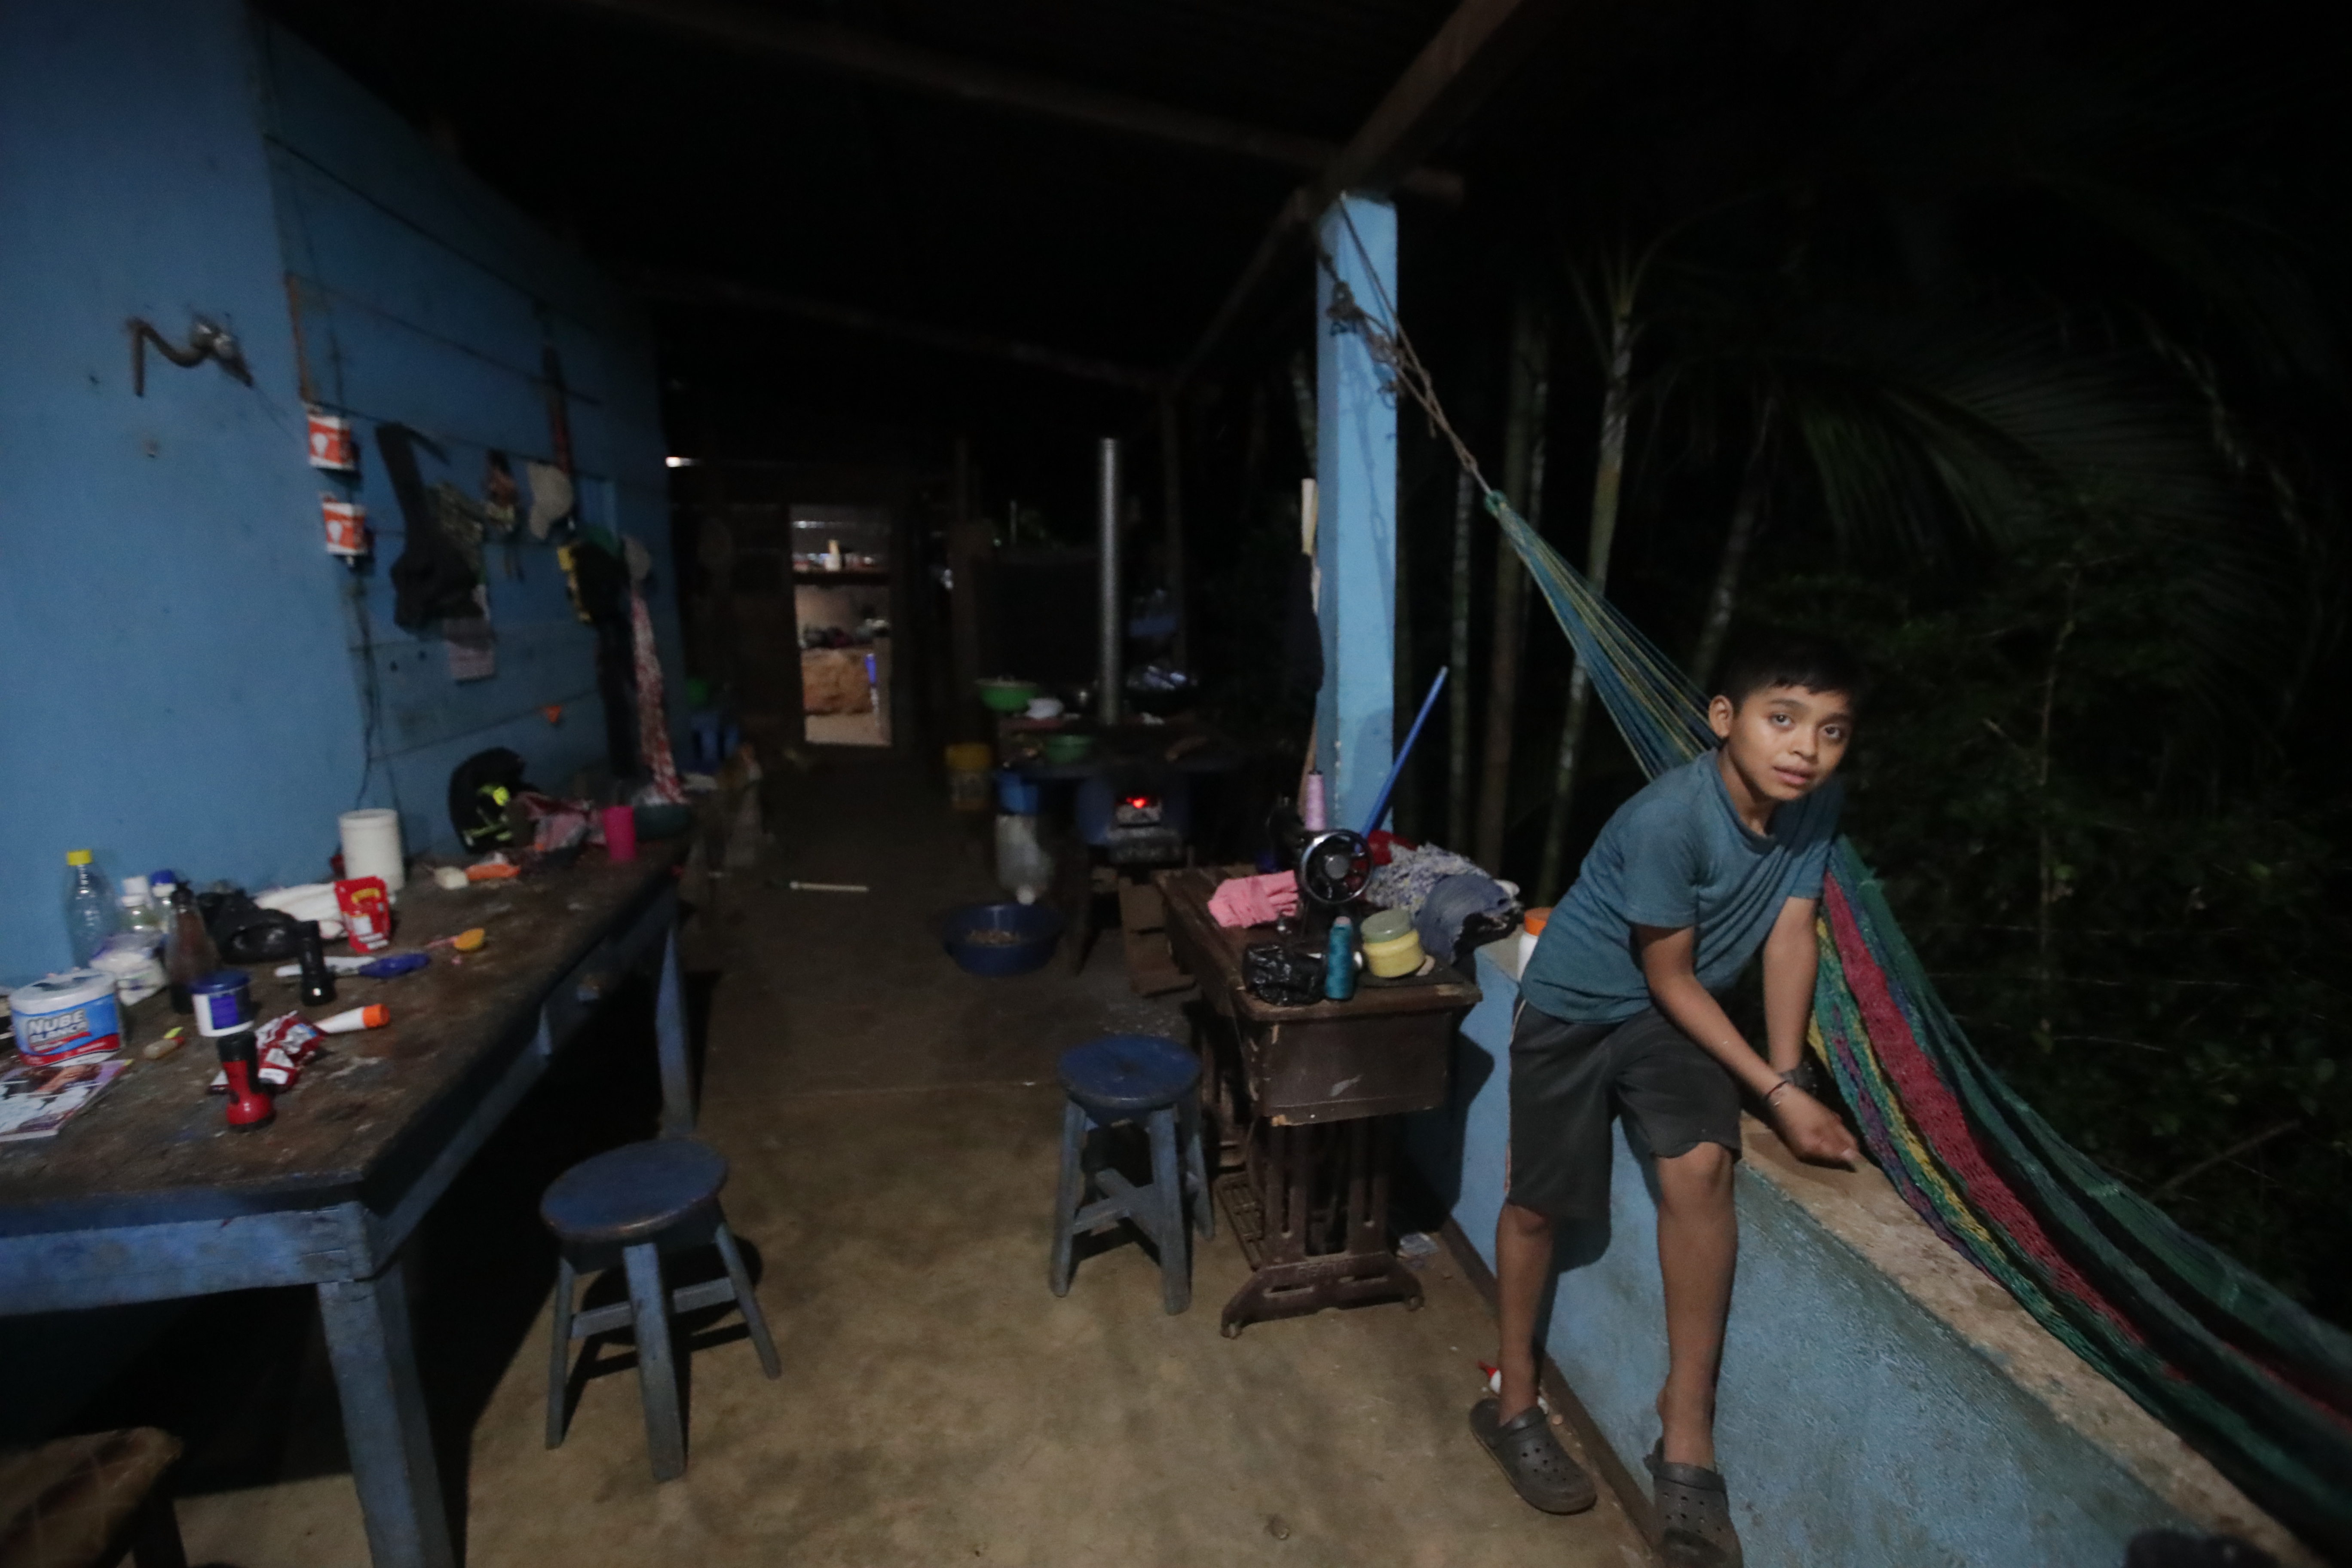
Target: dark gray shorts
<point>1567,1080</point>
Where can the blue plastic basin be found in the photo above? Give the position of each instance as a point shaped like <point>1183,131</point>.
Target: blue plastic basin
<point>1039,927</point>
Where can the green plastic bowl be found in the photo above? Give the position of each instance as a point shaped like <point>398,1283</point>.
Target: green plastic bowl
<point>1387,925</point>
<point>1008,696</point>
<point>1061,749</point>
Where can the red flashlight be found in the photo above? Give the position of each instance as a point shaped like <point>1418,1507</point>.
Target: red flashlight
<point>248,1108</point>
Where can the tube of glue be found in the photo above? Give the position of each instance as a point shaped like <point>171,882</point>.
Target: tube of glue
<point>248,1108</point>
<point>374,1015</point>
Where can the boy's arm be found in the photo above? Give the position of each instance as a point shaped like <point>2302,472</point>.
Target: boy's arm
<point>1804,1123</point>
<point>1792,958</point>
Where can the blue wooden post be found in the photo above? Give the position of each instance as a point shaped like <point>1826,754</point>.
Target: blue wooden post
<point>1355,543</point>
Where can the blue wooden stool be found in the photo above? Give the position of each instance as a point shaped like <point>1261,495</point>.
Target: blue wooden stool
<point>1133,1078</point>
<point>630,1205</point>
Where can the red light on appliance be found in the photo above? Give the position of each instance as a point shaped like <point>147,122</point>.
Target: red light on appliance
<point>1140,802</point>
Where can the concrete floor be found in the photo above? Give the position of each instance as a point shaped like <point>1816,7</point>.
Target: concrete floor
<point>891,1124</point>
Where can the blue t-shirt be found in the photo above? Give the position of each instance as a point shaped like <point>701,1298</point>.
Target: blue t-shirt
<point>1676,855</point>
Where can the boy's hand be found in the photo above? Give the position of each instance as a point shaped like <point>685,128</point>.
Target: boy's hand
<point>1813,1129</point>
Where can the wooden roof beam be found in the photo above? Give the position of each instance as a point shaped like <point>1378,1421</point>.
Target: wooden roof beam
<point>1467,58</point>
<point>845,51</point>
<point>684,289</point>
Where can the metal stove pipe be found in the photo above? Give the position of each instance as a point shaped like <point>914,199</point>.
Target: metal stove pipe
<point>1113,620</point>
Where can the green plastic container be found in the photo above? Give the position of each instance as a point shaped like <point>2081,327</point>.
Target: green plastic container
<point>1063,748</point>
<point>1008,696</point>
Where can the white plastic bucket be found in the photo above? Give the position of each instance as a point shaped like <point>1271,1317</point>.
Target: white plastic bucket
<point>371,847</point>
<point>65,1016</point>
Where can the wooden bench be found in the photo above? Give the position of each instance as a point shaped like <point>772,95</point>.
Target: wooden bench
<point>85,1501</point>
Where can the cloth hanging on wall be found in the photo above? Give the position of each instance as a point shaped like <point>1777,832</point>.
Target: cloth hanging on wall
<point>598,584</point>
<point>653,726</point>
<point>433,576</point>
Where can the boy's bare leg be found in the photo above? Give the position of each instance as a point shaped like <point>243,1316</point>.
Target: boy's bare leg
<point>1522,1263</point>
<point>1698,1246</point>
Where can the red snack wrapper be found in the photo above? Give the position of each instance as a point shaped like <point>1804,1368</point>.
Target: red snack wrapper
<point>285,1045</point>
<point>367,912</point>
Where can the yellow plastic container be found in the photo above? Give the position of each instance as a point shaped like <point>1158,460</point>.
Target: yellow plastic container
<point>1399,955</point>
<point>970,785</point>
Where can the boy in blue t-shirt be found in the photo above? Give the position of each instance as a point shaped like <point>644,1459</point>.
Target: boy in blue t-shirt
<point>1710,863</point>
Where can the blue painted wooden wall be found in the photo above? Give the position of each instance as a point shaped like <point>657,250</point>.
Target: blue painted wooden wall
<point>184,670</point>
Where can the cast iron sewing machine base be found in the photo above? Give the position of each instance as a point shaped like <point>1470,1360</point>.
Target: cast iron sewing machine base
<point>1288,1277</point>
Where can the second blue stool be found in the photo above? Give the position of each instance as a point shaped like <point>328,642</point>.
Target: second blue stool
<point>627,1206</point>
<point>1152,1081</point>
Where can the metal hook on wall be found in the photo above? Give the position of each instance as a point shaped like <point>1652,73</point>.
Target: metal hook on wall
<point>207,341</point>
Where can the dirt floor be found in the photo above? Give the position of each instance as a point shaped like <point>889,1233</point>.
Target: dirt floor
<point>891,1125</point>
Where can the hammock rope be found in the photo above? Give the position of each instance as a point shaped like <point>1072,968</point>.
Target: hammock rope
<point>2245,1375</point>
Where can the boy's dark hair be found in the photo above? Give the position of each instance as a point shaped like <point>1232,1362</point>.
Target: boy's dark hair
<point>1782,659</point>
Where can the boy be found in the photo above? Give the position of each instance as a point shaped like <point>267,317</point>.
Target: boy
<point>1709,863</point>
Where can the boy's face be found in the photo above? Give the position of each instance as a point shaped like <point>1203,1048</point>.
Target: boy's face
<point>1784,742</point>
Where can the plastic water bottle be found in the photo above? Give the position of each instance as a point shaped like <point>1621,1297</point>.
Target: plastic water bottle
<point>141,916</point>
<point>89,907</point>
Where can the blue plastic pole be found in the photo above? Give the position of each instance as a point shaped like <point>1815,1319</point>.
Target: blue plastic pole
<point>1396,769</point>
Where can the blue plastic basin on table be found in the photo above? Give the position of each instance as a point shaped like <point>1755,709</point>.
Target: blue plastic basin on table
<point>1038,925</point>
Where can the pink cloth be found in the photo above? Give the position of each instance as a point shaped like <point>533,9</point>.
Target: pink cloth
<point>1254,901</point>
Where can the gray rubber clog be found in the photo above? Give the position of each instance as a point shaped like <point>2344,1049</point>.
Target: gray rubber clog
<point>1693,1514</point>
<point>1537,1467</point>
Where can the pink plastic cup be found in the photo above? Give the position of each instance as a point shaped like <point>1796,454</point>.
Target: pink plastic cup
<point>620,832</point>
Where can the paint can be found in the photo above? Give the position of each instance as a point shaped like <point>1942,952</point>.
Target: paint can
<point>371,847</point>
<point>346,521</point>
<point>331,442</point>
<point>224,1001</point>
<point>70,1015</point>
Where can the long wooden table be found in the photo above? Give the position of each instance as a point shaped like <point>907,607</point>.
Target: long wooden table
<point>1307,1098</point>
<point>147,1196</point>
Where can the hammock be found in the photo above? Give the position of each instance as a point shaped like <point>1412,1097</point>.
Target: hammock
<point>2251,1381</point>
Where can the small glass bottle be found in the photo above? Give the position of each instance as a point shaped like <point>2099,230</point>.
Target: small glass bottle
<point>188,950</point>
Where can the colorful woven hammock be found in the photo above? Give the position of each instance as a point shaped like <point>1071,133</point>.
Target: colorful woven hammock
<point>2251,1381</point>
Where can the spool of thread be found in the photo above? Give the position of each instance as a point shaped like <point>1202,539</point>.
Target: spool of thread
<point>1315,811</point>
<point>371,847</point>
<point>620,833</point>
<point>1340,960</point>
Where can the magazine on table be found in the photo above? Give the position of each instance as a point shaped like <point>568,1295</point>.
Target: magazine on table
<point>39,1098</point>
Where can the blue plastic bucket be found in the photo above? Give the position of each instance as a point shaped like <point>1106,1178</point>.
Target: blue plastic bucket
<point>1015,796</point>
